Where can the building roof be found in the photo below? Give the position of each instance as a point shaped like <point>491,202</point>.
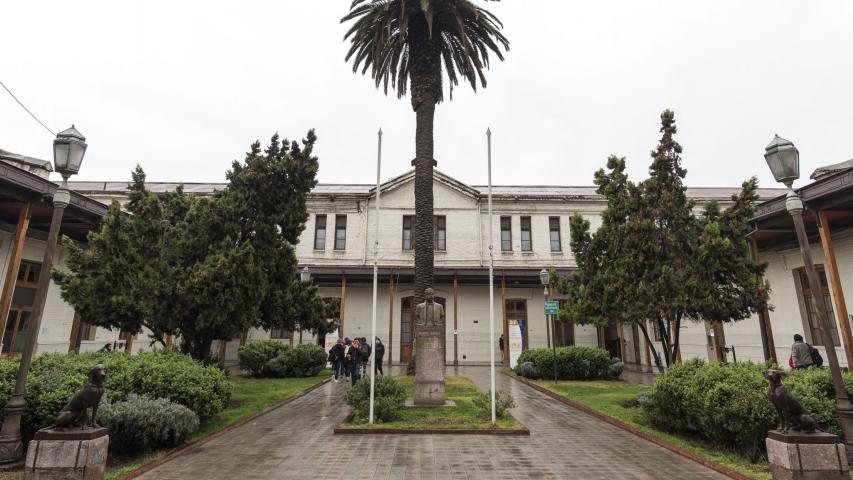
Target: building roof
<point>15,157</point>
<point>366,190</point>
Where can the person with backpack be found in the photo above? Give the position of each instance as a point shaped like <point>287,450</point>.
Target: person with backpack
<point>336,357</point>
<point>365,350</point>
<point>804,355</point>
<point>379,351</point>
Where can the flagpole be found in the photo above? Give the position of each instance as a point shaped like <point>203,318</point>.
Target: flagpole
<point>375,276</point>
<point>491,278</point>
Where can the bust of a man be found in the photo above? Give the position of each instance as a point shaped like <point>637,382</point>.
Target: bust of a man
<point>429,313</point>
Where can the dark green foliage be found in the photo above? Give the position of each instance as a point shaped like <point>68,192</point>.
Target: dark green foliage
<point>573,363</point>
<point>727,404</point>
<point>653,260</point>
<point>527,370</point>
<point>389,396</point>
<point>305,360</point>
<point>255,355</point>
<point>503,402</point>
<point>203,268</point>
<point>141,424</point>
<point>54,378</point>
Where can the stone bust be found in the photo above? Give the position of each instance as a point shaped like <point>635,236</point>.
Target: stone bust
<point>429,313</point>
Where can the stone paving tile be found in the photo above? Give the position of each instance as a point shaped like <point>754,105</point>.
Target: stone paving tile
<point>296,442</point>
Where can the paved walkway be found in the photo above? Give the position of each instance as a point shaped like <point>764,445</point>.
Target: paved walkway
<point>296,442</point>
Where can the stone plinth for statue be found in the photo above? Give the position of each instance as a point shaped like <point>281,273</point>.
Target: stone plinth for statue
<point>807,456</point>
<point>429,375</point>
<point>68,454</point>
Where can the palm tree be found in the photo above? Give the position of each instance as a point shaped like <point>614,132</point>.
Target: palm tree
<point>419,42</point>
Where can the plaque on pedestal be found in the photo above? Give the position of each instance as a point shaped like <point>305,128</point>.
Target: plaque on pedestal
<point>76,454</point>
<point>807,456</point>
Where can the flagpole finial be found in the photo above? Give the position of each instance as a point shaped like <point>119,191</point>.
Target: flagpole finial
<point>380,131</point>
<point>488,131</point>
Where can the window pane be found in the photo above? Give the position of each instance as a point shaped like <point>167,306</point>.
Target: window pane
<point>320,232</point>
<point>440,232</point>
<point>506,234</point>
<point>21,337</point>
<point>340,232</point>
<point>554,233</point>
<point>408,235</point>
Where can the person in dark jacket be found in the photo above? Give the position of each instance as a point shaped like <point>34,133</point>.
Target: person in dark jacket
<point>365,350</point>
<point>336,356</point>
<point>352,361</point>
<point>379,352</point>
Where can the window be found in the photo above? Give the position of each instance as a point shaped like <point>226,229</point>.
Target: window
<point>506,234</point>
<point>439,228</point>
<point>279,334</point>
<point>554,232</point>
<point>526,235</point>
<point>811,310</point>
<point>656,332</point>
<point>408,232</point>
<point>341,232</point>
<point>320,232</point>
<point>23,297</point>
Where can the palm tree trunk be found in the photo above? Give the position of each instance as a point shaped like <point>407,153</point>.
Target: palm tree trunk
<point>424,248</point>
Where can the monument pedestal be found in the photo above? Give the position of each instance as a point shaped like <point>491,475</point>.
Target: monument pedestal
<point>429,377</point>
<point>807,456</point>
<point>68,455</point>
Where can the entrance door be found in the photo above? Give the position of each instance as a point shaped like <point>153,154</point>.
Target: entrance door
<point>611,341</point>
<point>407,324</point>
<point>517,310</point>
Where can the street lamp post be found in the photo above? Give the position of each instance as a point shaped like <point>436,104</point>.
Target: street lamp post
<point>545,278</point>
<point>784,161</point>
<point>304,277</point>
<point>68,150</point>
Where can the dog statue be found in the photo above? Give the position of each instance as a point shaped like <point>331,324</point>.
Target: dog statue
<point>76,413</point>
<point>792,415</point>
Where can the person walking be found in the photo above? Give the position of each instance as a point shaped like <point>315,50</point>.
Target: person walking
<point>352,360</point>
<point>365,350</point>
<point>801,353</point>
<point>501,346</point>
<point>336,356</point>
<point>344,364</point>
<point>379,352</point>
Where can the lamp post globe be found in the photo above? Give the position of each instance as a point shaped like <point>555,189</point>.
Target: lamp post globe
<point>69,147</point>
<point>544,277</point>
<point>783,158</point>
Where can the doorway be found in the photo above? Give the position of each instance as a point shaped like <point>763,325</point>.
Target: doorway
<point>407,323</point>
<point>516,309</point>
<point>612,341</point>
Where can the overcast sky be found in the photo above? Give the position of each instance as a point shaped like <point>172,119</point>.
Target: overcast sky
<point>183,88</point>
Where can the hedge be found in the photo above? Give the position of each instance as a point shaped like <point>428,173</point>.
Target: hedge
<point>54,378</point>
<point>141,424</point>
<point>305,360</point>
<point>389,395</point>
<point>573,363</point>
<point>727,404</point>
<point>254,356</point>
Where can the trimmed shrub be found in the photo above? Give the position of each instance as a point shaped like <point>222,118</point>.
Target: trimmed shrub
<point>526,370</point>
<point>54,378</point>
<point>573,363</point>
<point>254,356</point>
<point>140,424</point>
<point>503,402</point>
<point>389,396</point>
<point>727,404</point>
<point>305,360</point>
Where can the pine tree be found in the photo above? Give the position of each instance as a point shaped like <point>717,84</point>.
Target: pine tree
<point>204,268</point>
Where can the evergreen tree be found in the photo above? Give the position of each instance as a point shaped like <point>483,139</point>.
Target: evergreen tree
<point>203,268</point>
<point>652,260</point>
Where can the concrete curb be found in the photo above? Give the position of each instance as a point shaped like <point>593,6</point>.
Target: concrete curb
<point>443,431</point>
<point>719,468</point>
<point>145,468</point>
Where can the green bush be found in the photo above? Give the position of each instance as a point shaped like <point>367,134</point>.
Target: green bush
<point>254,356</point>
<point>527,370</point>
<point>727,404</point>
<point>503,402</point>
<point>54,378</point>
<point>573,363</point>
<point>305,360</point>
<point>389,396</point>
<point>140,424</point>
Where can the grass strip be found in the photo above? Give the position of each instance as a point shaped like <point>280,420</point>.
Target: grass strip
<point>464,416</point>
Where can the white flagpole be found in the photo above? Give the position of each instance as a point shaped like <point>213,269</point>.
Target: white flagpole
<point>491,278</point>
<point>375,276</point>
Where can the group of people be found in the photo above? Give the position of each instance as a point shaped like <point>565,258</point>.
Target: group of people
<point>350,357</point>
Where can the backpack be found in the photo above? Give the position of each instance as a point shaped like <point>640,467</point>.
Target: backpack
<point>817,360</point>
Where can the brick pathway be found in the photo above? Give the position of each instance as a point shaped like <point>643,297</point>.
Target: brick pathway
<point>296,442</point>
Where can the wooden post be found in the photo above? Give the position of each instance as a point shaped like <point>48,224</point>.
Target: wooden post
<point>601,339</point>
<point>389,345</point>
<point>719,341</point>
<point>764,326</point>
<point>170,340</point>
<point>222,350</point>
<point>128,342</point>
<point>343,301</point>
<point>835,285</point>
<point>17,250</point>
<point>75,330</point>
<point>635,336</point>
<point>621,342</point>
<point>456,321</point>
<point>503,319</point>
